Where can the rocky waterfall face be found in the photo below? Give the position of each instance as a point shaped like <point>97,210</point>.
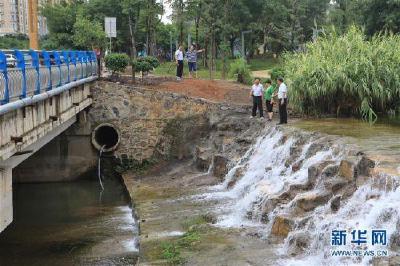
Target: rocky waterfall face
<point>296,187</point>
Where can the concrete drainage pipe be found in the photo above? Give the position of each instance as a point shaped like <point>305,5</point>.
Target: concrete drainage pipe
<point>105,135</point>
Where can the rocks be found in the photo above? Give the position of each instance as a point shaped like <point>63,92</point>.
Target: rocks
<point>202,158</point>
<point>282,226</point>
<point>238,174</point>
<point>365,166</point>
<point>220,168</point>
<point>298,243</point>
<point>313,149</point>
<point>311,200</point>
<point>347,170</point>
<point>335,203</point>
<point>316,170</point>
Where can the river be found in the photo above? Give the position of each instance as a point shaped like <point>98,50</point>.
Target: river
<point>70,224</point>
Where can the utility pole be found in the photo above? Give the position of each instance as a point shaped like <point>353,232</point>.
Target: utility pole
<point>33,24</point>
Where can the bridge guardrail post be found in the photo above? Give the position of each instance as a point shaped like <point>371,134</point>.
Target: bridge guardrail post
<point>65,55</point>
<point>21,65</point>
<point>35,64</point>
<point>80,57</point>
<point>86,57</point>
<point>73,60</point>
<point>47,63</point>
<point>57,61</point>
<point>3,70</point>
<point>92,63</point>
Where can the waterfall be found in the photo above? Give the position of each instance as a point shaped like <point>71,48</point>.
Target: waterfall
<point>99,167</point>
<point>293,174</point>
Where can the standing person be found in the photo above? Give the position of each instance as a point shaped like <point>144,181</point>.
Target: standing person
<point>191,56</point>
<point>257,92</point>
<point>282,98</point>
<point>268,97</point>
<point>179,62</point>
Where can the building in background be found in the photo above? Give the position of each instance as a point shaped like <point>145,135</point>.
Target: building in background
<point>14,17</point>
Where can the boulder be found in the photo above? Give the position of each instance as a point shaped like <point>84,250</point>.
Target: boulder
<point>238,174</point>
<point>315,171</point>
<point>298,243</point>
<point>365,166</point>
<point>347,170</point>
<point>220,168</point>
<point>335,203</point>
<point>202,158</point>
<point>309,201</point>
<point>330,171</point>
<point>282,226</point>
<point>313,149</point>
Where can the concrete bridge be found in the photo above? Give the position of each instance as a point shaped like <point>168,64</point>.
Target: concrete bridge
<point>41,95</point>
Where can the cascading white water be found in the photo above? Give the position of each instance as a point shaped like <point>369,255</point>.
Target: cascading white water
<point>263,173</point>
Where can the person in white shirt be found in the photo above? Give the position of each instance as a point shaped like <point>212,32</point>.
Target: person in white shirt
<point>179,62</point>
<point>282,99</point>
<point>256,92</point>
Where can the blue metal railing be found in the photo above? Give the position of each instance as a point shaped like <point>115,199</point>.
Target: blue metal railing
<point>27,73</point>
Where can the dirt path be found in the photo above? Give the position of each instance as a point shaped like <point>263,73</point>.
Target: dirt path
<point>263,74</point>
<point>214,90</point>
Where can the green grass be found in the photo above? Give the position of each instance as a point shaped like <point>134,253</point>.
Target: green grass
<point>169,69</point>
<point>171,251</point>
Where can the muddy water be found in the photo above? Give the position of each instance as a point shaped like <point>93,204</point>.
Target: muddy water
<point>70,224</point>
<point>380,141</point>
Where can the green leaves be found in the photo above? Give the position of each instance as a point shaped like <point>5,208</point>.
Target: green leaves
<point>346,73</point>
<point>88,34</point>
<point>241,70</point>
<point>117,62</point>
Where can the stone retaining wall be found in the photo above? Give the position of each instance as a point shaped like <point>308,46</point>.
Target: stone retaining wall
<point>144,115</point>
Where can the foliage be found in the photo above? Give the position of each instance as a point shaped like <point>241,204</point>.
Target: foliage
<point>153,61</point>
<point>88,34</point>
<point>378,15</point>
<point>171,253</point>
<point>346,74</point>
<point>141,65</point>
<point>117,62</point>
<point>240,69</point>
<point>127,164</point>
<point>60,20</point>
<point>14,42</point>
<point>277,72</point>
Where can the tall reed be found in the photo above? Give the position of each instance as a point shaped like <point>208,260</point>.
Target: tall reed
<point>346,74</point>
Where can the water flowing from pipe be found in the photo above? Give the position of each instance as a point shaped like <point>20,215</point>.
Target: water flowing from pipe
<point>99,167</point>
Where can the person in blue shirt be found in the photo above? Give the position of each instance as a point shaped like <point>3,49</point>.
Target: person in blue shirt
<point>191,56</point>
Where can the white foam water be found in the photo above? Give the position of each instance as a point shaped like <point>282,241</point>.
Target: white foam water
<point>263,173</point>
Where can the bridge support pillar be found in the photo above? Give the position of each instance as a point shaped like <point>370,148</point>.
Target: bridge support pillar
<point>6,208</point>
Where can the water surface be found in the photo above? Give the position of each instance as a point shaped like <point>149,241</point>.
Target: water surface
<point>70,224</point>
<point>381,141</point>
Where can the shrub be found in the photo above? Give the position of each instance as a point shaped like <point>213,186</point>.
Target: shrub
<point>346,73</point>
<point>143,65</point>
<point>116,62</point>
<point>241,70</point>
<point>277,72</point>
<point>153,61</point>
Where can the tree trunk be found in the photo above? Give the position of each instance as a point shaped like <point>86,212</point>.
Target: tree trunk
<point>205,57</point>
<point>132,35</point>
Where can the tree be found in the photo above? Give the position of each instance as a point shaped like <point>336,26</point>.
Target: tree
<point>88,34</point>
<point>132,8</point>
<point>380,15</point>
<point>60,22</point>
